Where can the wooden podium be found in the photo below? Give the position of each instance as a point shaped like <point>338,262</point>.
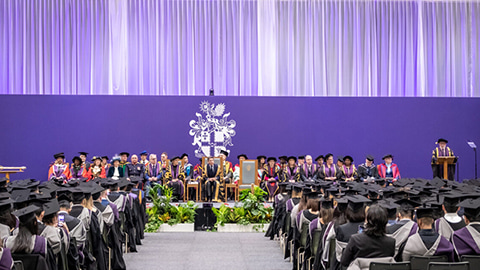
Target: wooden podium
<point>445,161</point>
<point>8,170</point>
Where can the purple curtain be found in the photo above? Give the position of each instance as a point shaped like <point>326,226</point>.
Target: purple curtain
<point>240,48</point>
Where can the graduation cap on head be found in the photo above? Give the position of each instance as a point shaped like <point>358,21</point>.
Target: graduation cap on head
<point>76,158</point>
<point>3,181</point>
<point>356,202</point>
<point>174,158</point>
<point>78,194</point>
<point>65,197</point>
<point>348,157</point>
<point>451,199</point>
<point>125,153</point>
<point>27,213</point>
<point>325,204</point>
<point>407,204</point>
<point>242,155</point>
<point>380,181</point>
<point>471,207</point>
<point>389,205</point>
<point>144,153</point>
<point>319,157</point>
<point>283,158</point>
<point>292,157</point>
<point>424,212</point>
<point>301,157</point>
<point>437,182</point>
<point>223,152</point>
<point>59,155</point>
<point>105,157</point>
<point>51,207</point>
<point>96,157</point>
<point>370,158</point>
<point>311,194</point>
<point>387,156</point>
<point>272,158</point>
<point>442,140</point>
<point>83,153</point>
<point>264,157</point>
<point>6,204</point>
<point>340,158</point>
<point>20,195</point>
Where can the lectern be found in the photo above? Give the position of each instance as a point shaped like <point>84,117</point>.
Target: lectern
<point>8,170</point>
<point>445,161</point>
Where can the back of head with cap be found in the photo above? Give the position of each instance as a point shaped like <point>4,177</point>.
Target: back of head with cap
<point>27,228</point>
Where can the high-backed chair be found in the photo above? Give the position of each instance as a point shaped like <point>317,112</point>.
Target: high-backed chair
<point>18,265</point>
<point>248,176</point>
<point>31,261</point>
<point>451,266</point>
<point>315,242</point>
<point>421,262</point>
<point>302,246</point>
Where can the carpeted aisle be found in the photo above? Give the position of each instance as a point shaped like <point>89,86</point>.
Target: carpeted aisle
<point>207,250</point>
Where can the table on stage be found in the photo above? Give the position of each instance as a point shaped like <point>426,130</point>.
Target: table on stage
<point>8,170</point>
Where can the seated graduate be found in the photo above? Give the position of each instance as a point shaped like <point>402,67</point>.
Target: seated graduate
<point>427,242</point>
<point>329,171</point>
<point>96,169</point>
<point>144,157</point>
<point>405,227</point>
<point>26,241</point>
<point>319,160</point>
<point>134,168</point>
<point>305,218</point>
<point>57,236</point>
<point>153,171</point>
<point>466,240</point>
<point>174,178</point>
<point>308,170</point>
<point>368,170</point>
<point>124,160</point>
<point>211,181</point>
<point>115,171</point>
<point>6,260</point>
<point>236,169</point>
<point>105,163</point>
<point>77,170</point>
<point>291,173</point>
<point>388,169</point>
<point>392,209</point>
<point>8,221</point>
<point>294,233</point>
<point>442,150</point>
<point>372,244</point>
<point>349,172</point>
<point>355,214</point>
<point>451,221</point>
<point>83,158</point>
<point>59,170</point>
<point>270,177</point>
<point>325,219</point>
<point>340,162</point>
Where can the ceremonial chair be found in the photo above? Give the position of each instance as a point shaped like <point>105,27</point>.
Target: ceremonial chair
<point>303,244</point>
<point>450,266</point>
<point>472,259</point>
<point>31,261</point>
<point>219,162</point>
<point>314,247</point>
<point>421,262</point>
<point>389,266</point>
<point>248,176</point>
<point>18,265</point>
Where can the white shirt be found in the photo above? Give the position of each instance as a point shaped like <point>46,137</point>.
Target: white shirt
<point>452,217</point>
<point>116,174</point>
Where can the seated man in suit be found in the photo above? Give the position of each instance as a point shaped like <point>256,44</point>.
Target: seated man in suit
<point>308,170</point>
<point>211,180</point>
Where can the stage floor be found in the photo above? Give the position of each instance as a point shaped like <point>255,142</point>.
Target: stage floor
<point>207,250</point>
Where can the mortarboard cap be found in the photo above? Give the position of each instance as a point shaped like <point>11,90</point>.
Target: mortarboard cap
<point>76,158</point>
<point>356,202</point>
<point>51,207</point>
<point>144,153</point>
<point>174,158</point>
<point>471,207</point>
<point>59,155</point>
<point>105,157</point>
<point>348,157</point>
<point>272,158</point>
<point>27,213</point>
<point>407,204</point>
<point>325,204</point>
<point>223,152</point>
<point>340,158</point>
<point>301,157</point>
<point>442,140</point>
<point>242,155</point>
<point>83,153</point>
<point>125,153</point>
<point>319,157</point>
<point>424,212</point>
<point>370,157</point>
<point>387,156</point>
<point>292,157</point>
<point>264,157</point>
<point>283,157</point>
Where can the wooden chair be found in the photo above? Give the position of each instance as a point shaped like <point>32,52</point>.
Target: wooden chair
<point>248,176</point>
<point>197,187</point>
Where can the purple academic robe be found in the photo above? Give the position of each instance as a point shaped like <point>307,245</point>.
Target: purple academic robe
<point>290,205</point>
<point>6,261</point>
<point>467,241</point>
<point>313,226</point>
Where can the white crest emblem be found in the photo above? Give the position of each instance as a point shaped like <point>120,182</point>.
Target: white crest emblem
<point>214,132</point>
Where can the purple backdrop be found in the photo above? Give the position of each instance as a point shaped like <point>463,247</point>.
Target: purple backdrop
<point>36,127</point>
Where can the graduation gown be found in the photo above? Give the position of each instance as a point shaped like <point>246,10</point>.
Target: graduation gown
<point>437,169</point>
<point>363,246</point>
<point>77,237</point>
<point>332,171</point>
<point>446,228</point>
<point>85,216</point>
<point>78,172</point>
<point>96,172</point>
<point>6,261</point>
<point>343,234</point>
<point>291,174</point>
<point>111,172</point>
<point>38,244</point>
<point>308,173</point>
<point>115,239</point>
<point>59,172</point>
<point>177,173</point>
<point>365,172</point>
<point>270,179</point>
<point>289,205</point>
<point>466,241</point>
<point>307,218</point>
<point>349,173</point>
<point>401,231</point>
<point>278,219</point>
<point>427,243</point>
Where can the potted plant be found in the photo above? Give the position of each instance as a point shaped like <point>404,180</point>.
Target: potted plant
<point>252,216</point>
<point>164,216</point>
